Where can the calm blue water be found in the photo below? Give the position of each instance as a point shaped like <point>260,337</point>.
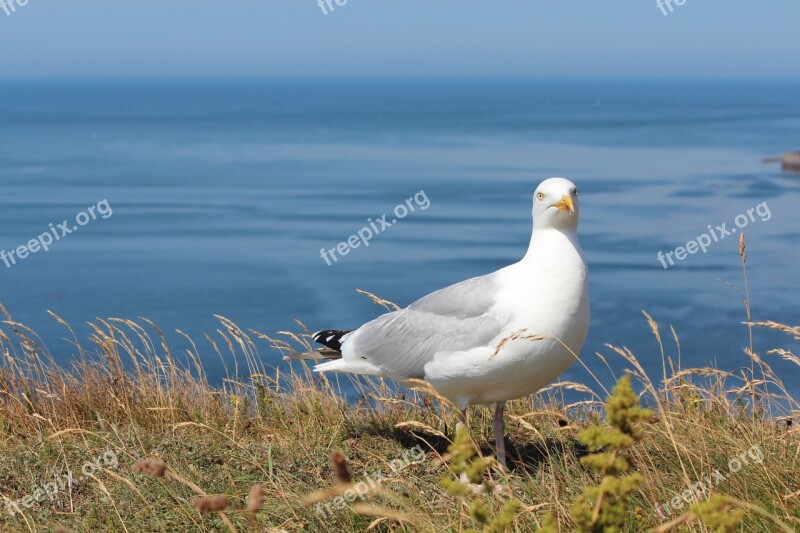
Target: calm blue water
<point>224,192</point>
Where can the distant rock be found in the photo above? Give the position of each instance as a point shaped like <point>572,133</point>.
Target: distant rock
<point>791,162</point>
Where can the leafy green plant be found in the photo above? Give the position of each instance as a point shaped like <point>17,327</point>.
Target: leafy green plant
<point>473,484</point>
<point>602,508</point>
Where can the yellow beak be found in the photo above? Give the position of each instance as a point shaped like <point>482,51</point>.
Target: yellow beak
<point>565,205</point>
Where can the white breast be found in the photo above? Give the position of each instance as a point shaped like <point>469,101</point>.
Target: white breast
<point>544,294</point>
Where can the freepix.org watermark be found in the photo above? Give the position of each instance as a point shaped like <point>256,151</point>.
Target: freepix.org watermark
<point>55,233</point>
<point>50,490</point>
<point>714,235</point>
<point>375,227</point>
<point>10,6</point>
<point>702,489</point>
<point>668,6</point>
<point>411,456</point>
<point>327,6</point>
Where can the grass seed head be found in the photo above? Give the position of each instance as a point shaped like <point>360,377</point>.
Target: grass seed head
<point>255,500</point>
<point>340,468</point>
<point>211,504</point>
<point>151,467</point>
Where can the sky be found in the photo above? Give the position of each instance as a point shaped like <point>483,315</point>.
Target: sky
<point>709,39</point>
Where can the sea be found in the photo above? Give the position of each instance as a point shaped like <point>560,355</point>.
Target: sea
<point>181,199</point>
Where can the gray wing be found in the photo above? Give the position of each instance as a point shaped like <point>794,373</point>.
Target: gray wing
<point>455,318</point>
<point>466,299</point>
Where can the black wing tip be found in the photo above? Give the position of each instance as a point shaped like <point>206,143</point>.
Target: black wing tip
<point>330,338</point>
<point>315,355</point>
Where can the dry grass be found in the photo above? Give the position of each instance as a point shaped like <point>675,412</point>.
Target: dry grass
<point>254,453</point>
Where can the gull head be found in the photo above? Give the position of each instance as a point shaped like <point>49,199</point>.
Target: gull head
<point>555,204</point>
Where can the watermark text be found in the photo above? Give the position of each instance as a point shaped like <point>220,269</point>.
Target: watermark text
<point>50,490</point>
<point>375,227</point>
<point>10,6</point>
<point>668,6</point>
<point>373,480</point>
<point>702,489</point>
<point>714,235</point>
<point>54,233</point>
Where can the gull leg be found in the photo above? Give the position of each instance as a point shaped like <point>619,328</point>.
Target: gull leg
<point>499,426</point>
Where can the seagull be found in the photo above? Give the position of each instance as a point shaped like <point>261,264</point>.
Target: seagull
<point>488,339</point>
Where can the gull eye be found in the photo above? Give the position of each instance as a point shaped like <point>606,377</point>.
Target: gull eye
<point>575,192</point>
<point>540,196</point>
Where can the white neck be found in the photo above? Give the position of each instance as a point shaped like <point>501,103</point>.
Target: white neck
<point>549,235</point>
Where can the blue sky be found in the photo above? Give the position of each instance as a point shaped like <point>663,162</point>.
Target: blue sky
<point>741,39</point>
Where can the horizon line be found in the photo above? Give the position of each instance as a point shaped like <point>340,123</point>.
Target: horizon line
<point>389,77</point>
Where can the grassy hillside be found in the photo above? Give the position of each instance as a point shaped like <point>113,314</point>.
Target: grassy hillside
<point>132,439</point>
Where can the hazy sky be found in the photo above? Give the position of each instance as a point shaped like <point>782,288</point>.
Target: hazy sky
<point>531,38</point>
